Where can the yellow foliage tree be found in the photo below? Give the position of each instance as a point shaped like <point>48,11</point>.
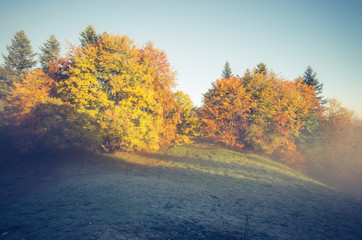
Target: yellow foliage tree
<point>109,81</point>
<point>189,125</point>
<point>164,81</point>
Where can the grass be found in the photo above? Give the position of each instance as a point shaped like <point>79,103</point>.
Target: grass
<point>199,191</point>
<point>217,160</point>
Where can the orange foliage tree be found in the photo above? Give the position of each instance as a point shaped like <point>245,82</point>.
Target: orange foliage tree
<point>224,112</point>
<point>259,111</point>
<point>164,81</point>
<point>34,88</point>
<point>40,121</point>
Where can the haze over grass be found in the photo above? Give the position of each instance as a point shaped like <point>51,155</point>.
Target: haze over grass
<point>199,191</point>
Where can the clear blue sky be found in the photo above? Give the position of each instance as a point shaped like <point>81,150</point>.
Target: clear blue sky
<point>200,36</point>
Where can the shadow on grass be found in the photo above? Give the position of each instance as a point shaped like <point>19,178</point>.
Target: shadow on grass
<point>25,174</point>
<point>106,197</point>
<point>237,167</point>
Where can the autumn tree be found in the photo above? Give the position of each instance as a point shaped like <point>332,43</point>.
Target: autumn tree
<point>224,112</point>
<point>109,95</point>
<point>39,121</point>
<point>189,124</point>
<point>163,81</point>
<point>59,68</point>
<point>226,73</point>
<point>280,108</point>
<point>89,36</point>
<point>108,81</point>
<point>35,87</point>
<point>49,52</point>
<point>260,112</point>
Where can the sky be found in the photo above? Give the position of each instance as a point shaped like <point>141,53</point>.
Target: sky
<point>200,36</point>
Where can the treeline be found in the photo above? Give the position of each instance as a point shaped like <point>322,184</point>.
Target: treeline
<point>259,111</point>
<point>287,120</point>
<point>110,95</point>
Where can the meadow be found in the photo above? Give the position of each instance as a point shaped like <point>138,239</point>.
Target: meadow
<point>197,191</point>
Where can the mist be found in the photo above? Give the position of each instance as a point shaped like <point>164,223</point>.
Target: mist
<point>336,157</point>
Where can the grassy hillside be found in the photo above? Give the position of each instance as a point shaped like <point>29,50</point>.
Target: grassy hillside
<point>200,191</point>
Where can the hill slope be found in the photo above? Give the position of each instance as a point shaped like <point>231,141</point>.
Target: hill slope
<point>201,191</point>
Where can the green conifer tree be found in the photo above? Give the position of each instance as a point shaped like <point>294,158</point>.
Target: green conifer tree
<point>261,68</point>
<point>310,78</point>
<point>227,73</point>
<point>247,77</point>
<point>19,61</point>
<point>48,51</point>
<point>89,36</point>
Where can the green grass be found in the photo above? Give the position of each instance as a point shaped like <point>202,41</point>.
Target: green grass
<point>217,160</point>
<point>198,191</point>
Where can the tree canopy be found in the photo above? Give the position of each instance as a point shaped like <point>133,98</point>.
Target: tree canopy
<point>258,111</point>
<point>111,95</point>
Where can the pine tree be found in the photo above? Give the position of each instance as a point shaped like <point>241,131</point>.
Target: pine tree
<point>261,69</point>
<point>21,56</point>
<point>19,61</point>
<point>310,79</point>
<point>89,36</point>
<point>247,77</point>
<point>226,73</point>
<point>48,51</point>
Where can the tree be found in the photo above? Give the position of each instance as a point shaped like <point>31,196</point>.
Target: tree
<point>247,76</point>
<point>277,116</point>
<point>309,136</point>
<point>310,78</point>
<point>164,81</point>
<point>260,112</point>
<point>110,95</point>
<point>107,80</point>
<point>336,156</point>
<point>38,120</point>
<point>226,73</point>
<point>19,61</point>
<point>261,68</point>
<point>21,55</point>
<point>49,52</point>
<point>224,112</point>
<point>89,36</point>
<point>189,125</point>
<point>52,124</point>
<point>35,87</point>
